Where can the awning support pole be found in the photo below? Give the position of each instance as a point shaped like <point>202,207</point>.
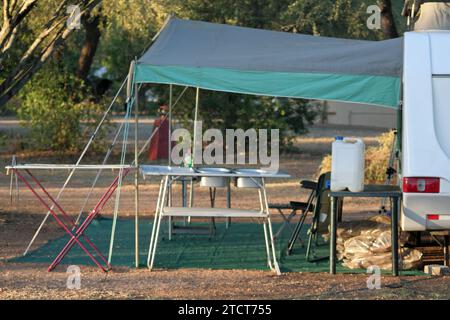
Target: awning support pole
<point>170,123</point>
<point>136,174</point>
<point>130,101</point>
<point>194,148</point>
<point>169,148</point>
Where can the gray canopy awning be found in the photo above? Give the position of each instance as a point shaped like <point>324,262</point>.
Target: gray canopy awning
<point>253,61</point>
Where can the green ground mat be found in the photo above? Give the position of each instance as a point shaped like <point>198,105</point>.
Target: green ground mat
<point>241,246</point>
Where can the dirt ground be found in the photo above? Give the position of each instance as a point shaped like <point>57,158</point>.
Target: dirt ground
<point>20,218</point>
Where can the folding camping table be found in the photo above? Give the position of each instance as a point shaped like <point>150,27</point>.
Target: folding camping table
<point>170,174</point>
<point>75,232</point>
<point>370,191</point>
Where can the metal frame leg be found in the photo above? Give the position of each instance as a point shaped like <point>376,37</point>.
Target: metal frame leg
<point>212,225</point>
<point>269,222</point>
<point>298,227</point>
<point>308,247</point>
<point>191,197</point>
<point>156,236</point>
<point>78,231</point>
<point>85,224</point>
<point>286,221</point>
<point>155,221</point>
<point>446,253</point>
<point>228,220</point>
<point>296,233</point>
<point>266,235</point>
<point>274,253</point>
<point>333,224</point>
<point>394,234</point>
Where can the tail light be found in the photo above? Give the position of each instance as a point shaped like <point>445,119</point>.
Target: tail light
<point>432,216</point>
<point>421,184</point>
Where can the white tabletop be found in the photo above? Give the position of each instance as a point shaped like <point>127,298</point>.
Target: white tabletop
<point>150,170</point>
<point>43,166</point>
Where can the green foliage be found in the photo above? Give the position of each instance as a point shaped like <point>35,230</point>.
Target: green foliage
<point>334,18</point>
<point>55,109</point>
<point>223,110</point>
<point>129,28</point>
<point>290,116</point>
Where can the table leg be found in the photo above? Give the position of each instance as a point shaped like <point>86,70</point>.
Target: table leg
<point>228,220</point>
<point>161,207</point>
<point>191,197</point>
<point>155,222</point>
<point>333,219</point>
<point>276,267</point>
<point>394,235</point>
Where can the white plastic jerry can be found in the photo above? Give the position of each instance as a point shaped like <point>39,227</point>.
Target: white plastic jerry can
<point>347,164</point>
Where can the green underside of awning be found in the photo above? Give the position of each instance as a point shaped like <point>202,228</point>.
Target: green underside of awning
<point>377,90</point>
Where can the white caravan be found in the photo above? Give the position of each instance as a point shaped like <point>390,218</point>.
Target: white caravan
<point>426,131</point>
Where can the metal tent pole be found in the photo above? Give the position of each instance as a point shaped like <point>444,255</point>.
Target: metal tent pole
<point>99,172</point>
<point>168,155</point>
<point>119,184</point>
<point>130,100</point>
<point>169,149</point>
<point>194,149</point>
<point>13,178</point>
<point>136,175</point>
<point>170,123</point>
<point>69,177</point>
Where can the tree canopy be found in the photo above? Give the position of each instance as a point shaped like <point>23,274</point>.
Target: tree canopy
<point>35,44</point>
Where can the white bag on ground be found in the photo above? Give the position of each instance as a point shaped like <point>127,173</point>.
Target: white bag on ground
<point>366,243</point>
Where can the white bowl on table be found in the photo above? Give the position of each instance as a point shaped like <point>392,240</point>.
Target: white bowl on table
<point>213,182</point>
<point>247,182</point>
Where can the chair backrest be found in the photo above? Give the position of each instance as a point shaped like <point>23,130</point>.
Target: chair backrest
<point>323,204</point>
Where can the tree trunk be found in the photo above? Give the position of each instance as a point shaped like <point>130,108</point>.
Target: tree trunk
<point>92,26</point>
<point>387,20</point>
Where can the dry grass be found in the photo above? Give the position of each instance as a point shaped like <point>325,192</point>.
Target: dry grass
<point>376,162</point>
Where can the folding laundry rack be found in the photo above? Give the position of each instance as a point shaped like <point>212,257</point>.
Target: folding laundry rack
<point>70,226</point>
<point>76,228</point>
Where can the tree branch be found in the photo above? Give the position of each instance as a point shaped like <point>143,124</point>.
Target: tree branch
<point>12,21</point>
<point>32,62</point>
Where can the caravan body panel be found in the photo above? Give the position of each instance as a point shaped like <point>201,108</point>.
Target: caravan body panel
<point>426,128</point>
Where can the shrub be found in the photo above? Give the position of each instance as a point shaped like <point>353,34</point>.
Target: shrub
<point>376,159</point>
<point>57,110</point>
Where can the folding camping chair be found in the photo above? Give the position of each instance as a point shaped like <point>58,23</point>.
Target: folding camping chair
<point>75,232</point>
<point>295,206</point>
<point>320,218</point>
<point>315,187</point>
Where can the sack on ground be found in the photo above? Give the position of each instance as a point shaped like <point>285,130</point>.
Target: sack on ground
<point>361,244</point>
